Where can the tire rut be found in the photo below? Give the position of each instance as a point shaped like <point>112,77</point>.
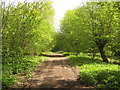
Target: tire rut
<point>37,73</point>
<point>43,76</point>
<point>68,71</point>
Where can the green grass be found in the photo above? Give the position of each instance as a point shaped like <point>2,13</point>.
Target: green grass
<point>66,53</point>
<point>22,66</point>
<point>48,52</point>
<point>95,72</point>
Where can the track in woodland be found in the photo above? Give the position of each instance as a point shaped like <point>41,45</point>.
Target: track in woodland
<point>55,72</point>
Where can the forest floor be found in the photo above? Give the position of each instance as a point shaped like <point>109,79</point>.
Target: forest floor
<point>55,72</point>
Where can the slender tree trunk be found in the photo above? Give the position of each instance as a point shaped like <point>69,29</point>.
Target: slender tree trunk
<point>93,55</point>
<point>102,52</point>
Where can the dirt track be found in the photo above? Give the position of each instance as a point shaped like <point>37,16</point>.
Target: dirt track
<point>55,72</point>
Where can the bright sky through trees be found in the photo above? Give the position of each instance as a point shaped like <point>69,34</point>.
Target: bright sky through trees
<point>60,7</point>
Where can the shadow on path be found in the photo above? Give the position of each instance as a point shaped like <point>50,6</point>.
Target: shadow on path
<point>55,72</point>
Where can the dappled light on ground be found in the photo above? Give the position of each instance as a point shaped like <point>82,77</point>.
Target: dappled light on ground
<point>55,72</point>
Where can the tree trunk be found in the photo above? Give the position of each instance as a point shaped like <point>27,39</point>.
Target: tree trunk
<point>102,52</point>
<point>93,55</point>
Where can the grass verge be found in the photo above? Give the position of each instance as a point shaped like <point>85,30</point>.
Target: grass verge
<point>94,72</point>
<point>16,67</point>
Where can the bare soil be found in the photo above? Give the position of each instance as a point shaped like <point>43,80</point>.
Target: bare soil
<point>55,72</point>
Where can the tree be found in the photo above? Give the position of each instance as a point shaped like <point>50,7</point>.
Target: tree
<point>92,25</point>
<point>103,21</point>
<point>27,28</point>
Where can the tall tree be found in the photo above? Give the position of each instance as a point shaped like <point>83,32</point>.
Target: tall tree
<point>92,25</point>
<point>103,21</point>
<point>27,28</point>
